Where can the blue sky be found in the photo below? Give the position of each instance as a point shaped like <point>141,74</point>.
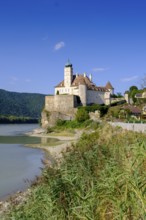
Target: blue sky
<point>104,37</point>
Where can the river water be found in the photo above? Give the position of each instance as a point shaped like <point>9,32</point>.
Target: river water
<point>19,165</point>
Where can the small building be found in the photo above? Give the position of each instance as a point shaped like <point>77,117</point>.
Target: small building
<point>143,112</point>
<point>141,95</point>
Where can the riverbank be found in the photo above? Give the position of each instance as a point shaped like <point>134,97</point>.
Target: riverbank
<point>55,152</point>
<point>101,177</point>
<point>66,139</point>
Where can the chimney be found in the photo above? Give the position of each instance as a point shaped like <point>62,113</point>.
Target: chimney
<point>90,77</point>
<point>84,74</point>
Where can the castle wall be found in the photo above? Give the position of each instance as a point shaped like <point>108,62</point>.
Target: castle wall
<point>58,107</point>
<point>49,103</point>
<point>67,90</point>
<point>60,103</point>
<point>111,91</point>
<point>83,94</point>
<point>107,99</point>
<point>96,97</point>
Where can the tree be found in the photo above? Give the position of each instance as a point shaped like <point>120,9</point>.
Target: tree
<point>133,88</point>
<point>132,95</point>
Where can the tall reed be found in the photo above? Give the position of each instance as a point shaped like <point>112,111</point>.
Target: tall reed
<point>103,177</point>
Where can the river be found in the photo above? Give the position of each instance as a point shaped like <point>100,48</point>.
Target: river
<point>19,165</point>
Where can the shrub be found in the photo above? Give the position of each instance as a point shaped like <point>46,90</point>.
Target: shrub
<point>82,115</point>
<point>102,108</point>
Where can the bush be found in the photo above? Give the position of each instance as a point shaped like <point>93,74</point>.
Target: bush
<point>102,108</point>
<point>82,115</point>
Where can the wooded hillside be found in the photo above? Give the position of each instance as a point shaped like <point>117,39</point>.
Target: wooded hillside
<point>21,104</point>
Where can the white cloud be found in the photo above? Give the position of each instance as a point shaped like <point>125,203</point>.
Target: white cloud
<point>99,69</point>
<point>59,45</point>
<point>128,79</point>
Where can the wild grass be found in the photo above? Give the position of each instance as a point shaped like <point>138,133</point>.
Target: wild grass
<point>103,177</point>
<point>72,124</point>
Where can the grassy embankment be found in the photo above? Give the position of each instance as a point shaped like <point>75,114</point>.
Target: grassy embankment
<point>101,177</point>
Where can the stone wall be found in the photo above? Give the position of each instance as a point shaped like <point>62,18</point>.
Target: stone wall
<point>131,126</point>
<point>61,103</point>
<point>117,99</point>
<point>58,107</point>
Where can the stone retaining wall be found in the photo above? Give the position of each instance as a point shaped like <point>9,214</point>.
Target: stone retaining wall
<point>130,126</point>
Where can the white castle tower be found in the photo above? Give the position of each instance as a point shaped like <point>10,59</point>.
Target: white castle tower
<point>68,74</point>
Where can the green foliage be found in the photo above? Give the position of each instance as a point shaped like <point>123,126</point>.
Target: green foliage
<point>118,112</point>
<point>114,111</point>
<point>102,177</point>
<point>102,108</point>
<point>61,124</point>
<point>21,104</point>
<point>82,115</point>
<point>132,95</point>
<point>133,88</point>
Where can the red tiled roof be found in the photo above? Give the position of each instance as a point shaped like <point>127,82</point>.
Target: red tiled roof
<point>109,85</point>
<point>83,80</point>
<point>133,109</point>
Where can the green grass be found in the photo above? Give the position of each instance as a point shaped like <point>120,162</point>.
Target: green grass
<point>103,177</point>
<point>72,124</point>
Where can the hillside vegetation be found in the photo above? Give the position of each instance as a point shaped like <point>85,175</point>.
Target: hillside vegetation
<point>101,178</point>
<point>21,104</point>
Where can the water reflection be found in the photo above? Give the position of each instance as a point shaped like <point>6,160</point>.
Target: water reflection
<point>49,141</point>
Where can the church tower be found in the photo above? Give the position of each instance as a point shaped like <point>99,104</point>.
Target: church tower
<point>68,74</point>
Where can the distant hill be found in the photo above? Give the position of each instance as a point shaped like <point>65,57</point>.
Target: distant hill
<point>21,104</point>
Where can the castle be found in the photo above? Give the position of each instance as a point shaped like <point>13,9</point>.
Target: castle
<point>83,87</point>
<point>75,90</point>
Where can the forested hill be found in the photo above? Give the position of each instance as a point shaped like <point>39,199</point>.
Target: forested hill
<point>21,104</point>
